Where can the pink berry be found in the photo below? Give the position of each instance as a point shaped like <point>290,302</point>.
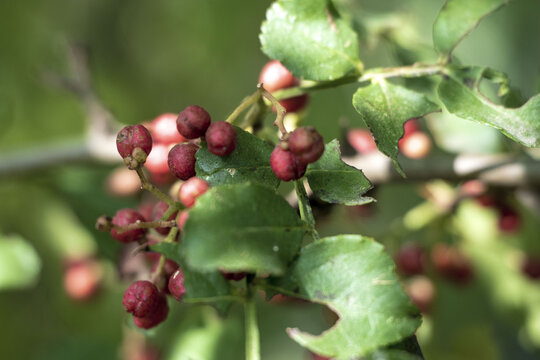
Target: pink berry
<point>422,292</point>
<point>191,190</point>
<point>409,128</point>
<point>131,137</point>
<point>141,298</point>
<point>156,317</point>
<point>306,144</point>
<point>156,162</point>
<point>416,145</point>
<point>82,279</point>
<point>125,217</point>
<point>181,160</point>
<point>176,285</point>
<point>411,259</point>
<point>275,76</point>
<point>164,130</point>
<point>362,141</point>
<point>159,210</point>
<point>451,263</point>
<point>182,218</point>
<point>193,122</point>
<point>221,138</point>
<point>286,165</point>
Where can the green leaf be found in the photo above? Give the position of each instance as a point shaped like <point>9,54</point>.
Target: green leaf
<point>250,161</point>
<point>242,227</point>
<point>353,276</point>
<point>391,354</point>
<point>458,18</point>
<point>20,265</point>
<point>521,124</point>
<point>334,181</point>
<point>385,107</point>
<point>310,39</point>
<point>199,285</point>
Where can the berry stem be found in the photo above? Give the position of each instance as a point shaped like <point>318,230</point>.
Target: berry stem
<point>159,269</point>
<point>306,213</point>
<point>253,351</point>
<point>246,103</point>
<point>280,110</point>
<point>147,185</point>
<point>145,225</point>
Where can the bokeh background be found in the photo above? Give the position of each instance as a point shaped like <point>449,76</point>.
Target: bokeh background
<point>145,58</point>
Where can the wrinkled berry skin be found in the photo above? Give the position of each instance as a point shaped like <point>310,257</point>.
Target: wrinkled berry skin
<point>141,298</point>
<point>307,144</point>
<point>193,122</point>
<point>181,160</point>
<point>155,317</point>
<point>191,190</point>
<point>176,285</point>
<point>159,210</point>
<point>285,165</point>
<point>125,217</point>
<point>221,138</point>
<point>131,137</point>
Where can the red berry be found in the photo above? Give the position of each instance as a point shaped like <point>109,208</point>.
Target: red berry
<point>409,128</point>
<point>131,137</point>
<point>531,267</point>
<point>410,260</point>
<point>294,104</point>
<point>181,160</point>
<point>191,190</point>
<point>156,162</point>
<point>176,285</point>
<point>286,165</point>
<point>416,145</point>
<point>275,76</point>
<point>141,298</point>
<point>82,279</point>
<point>125,217</point>
<point>234,276</point>
<point>193,122</point>
<point>159,210</point>
<point>221,138</point>
<point>361,140</point>
<point>164,130</point>
<point>306,144</point>
<point>123,182</point>
<point>509,220</point>
<point>451,263</point>
<point>155,317</point>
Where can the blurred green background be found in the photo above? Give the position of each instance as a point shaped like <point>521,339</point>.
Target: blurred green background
<point>150,57</point>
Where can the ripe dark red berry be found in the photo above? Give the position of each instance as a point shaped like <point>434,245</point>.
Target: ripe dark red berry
<point>531,267</point>
<point>361,140</point>
<point>132,137</point>
<point>181,160</point>
<point>410,260</point>
<point>191,190</point>
<point>176,284</point>
<point>509,220</point>
<point>164,130</point>
<point>159,209</point>
<point>234,276</point>
<point>307,144</point>
<point>286,165</point>
<point>193,122</point>
<point>141,298</point>
<point>155,317</point>
<point>125,217</point>
<point>451,263</point>
<point>221,138</point>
